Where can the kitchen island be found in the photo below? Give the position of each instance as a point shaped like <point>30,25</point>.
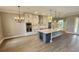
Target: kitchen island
<point>47,35</point>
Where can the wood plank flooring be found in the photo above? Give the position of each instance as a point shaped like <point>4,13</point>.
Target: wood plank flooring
<point>64,43</point>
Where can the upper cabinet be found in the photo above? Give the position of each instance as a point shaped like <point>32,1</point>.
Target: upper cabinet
<point>37,20</point>
<point>32,19</point>
<point>43,20</point>
<point>28,18</point>
<point>40,19</point>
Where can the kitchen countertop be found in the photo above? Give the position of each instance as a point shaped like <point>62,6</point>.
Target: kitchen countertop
<point>48,30</point>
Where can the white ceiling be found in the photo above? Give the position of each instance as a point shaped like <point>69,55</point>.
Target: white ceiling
<point>43,10</point>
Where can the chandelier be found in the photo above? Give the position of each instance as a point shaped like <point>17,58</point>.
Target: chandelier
<point>19,18</point>
<point>57,16</point>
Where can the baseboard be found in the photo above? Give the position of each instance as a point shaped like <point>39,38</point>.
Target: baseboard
<point>68,32</point>
<point>72,33</point>
<point>20,35</point>
<point>1,41</point>
<point>16,36</point>
<point>76,34</point>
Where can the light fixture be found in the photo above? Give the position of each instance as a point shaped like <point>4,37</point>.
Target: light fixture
<point>57,16</point>
<point>20,17</point>
<point>50,16</point>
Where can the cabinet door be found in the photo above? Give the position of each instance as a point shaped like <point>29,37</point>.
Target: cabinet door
<point>48,37</point>
<point>41,35</point>
<point>28,18</point>
<point>35,20</point>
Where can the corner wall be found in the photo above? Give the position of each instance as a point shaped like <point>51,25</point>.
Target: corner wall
<point>1,34</point>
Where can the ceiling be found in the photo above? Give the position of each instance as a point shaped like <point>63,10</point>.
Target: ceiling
<point>62,11</point>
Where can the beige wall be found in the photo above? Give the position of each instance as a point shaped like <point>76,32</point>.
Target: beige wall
<point>0,25</point>
<point>10,27</point>
<point>0,28</point>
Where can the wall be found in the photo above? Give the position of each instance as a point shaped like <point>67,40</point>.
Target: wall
<point>69,24</point>
<point>10,26</point>
<point>78,27</point>
<point>0,28</point>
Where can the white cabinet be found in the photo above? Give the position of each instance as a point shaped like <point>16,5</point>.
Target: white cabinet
<point>28,17</point>
<point>32,19</point>
<point>35,20</point>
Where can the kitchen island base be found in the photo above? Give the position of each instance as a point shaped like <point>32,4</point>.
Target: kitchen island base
<point>47,37</point>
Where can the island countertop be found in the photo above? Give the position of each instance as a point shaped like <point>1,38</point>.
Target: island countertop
<point>48,30</point>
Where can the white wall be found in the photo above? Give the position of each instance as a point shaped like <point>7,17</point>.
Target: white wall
<point>70,23</point>
<point>10,26</point>
<point>78,27</point>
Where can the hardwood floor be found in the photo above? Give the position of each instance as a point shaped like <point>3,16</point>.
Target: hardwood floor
<point>64,43</point>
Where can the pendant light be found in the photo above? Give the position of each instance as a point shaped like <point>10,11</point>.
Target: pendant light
<point>50,16</point>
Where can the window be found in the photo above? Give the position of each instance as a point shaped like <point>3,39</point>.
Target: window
<point>61,24</point>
